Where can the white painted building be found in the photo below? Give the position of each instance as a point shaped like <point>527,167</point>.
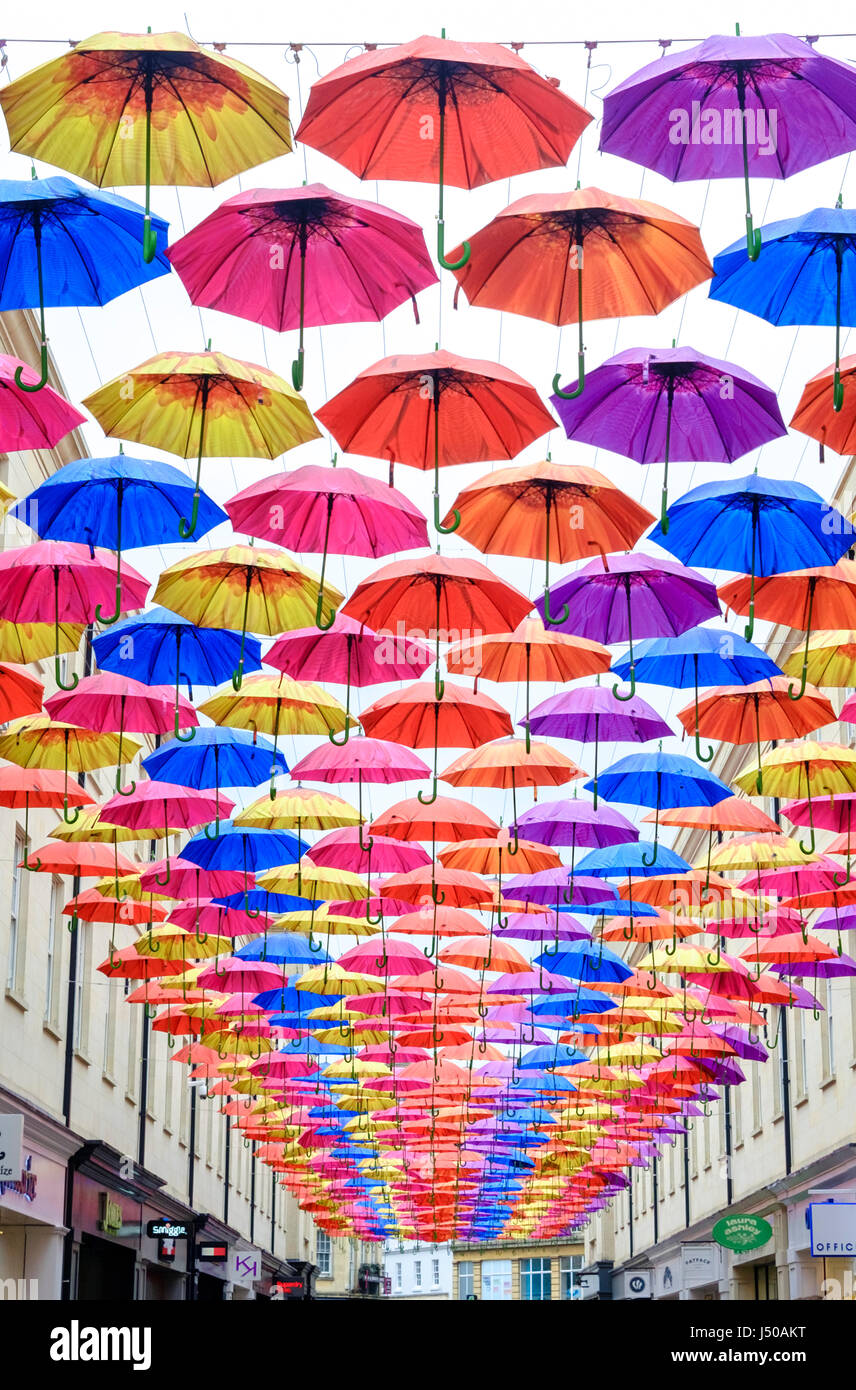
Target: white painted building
<point>418,1272</point>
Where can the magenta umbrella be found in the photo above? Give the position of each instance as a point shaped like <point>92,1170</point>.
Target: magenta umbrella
<point>329,511</point>
<point>204,916</point>
<point>296,257</point>
<point>26,421</point>
<point>118,703</point>
<point>189,881</point>
<point>364,760</point>
<point>349,654</point>
<point>397,958</point>
<point>344,849</point>
<point>154,804</point>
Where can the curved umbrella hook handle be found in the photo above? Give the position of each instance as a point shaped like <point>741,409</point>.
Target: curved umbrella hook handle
<point>428,800</point>
<point>185,527</point>
<point>438,525</point>
<point>43,379</point>
<point>581,381</point>
<point>632,691</point>
<point>441,250</point>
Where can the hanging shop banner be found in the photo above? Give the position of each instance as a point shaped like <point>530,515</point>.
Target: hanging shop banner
<point>832,1228</point>
<point>742,1232</point>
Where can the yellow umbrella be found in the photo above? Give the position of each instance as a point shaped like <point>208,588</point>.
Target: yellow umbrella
<point>203,405</point>
<point>38,741</point>
<point>26,642</point>
<point>264,591</point>
<point>90,826</point>
<point>300,809</point>
<point>753,851</point>
<point>338,884</point>
<point>332,979</point>
<point>805,769</point>
<point>831,659</point>
<point>171,942</point>
<point>278,705</point>
<point>125,109</point>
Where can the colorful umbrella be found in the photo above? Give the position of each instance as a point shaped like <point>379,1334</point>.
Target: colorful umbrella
<point>812,415</point>
<point>768,105</point>
<point>589,713</point>
<point>436,410</point>
<point>294,257</point>
<point>28,424</point>
<point>201,405</point>
<point>350,654</point>
<point>662,405</point>
<point>758,525</point>
<point>265,591</point>
<point>809,769</point>
<point>37,788</point>
<point>829,660</point>
<point>41,742</point>
<point>85,240</point>
<point>113,502</point>
<point>65,580</point>
<point>205,117</point>
<point>329,511</point>
<point>638,258</point>
<point>660,780</point>
<point>376,115</point>
<point>543,509</point>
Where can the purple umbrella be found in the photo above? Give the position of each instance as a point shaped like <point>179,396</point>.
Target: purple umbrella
<point>662,405</point>
<point>526,926</point>
<point>553,887</point>
<point>743,1042</point>
<point>768,106</point>
<point>588,714</point>
<point>615,597</point>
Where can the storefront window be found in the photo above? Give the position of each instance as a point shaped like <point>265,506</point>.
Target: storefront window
<point>324,1254</point>
<point>466,1279</point>
<point>569,1275</point>
<point>536,1280</point>
<point>496,1280</point>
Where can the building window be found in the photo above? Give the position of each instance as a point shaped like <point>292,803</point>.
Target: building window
<point>569,1276</point>
<point>800,1067</point>
<point>827,1031</point>
<point>766,1284</point>
<point>536,1280</point>
<point>417,1274</point>
<point>82,990</point>
<point>15,907</point>
<point>496,1280</point>
<point>53,956</point>
<point>324,1255</point>
<point>466,1279</point>
<point>435,1273</point>
<point>399,1275</point>
<point>775,1023</point>
<point>757,1112</point>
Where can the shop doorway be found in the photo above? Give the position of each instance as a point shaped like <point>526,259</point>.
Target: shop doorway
<point>105,1272</point>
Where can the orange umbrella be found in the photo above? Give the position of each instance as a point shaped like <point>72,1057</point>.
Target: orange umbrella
<point>448,819</point>
<point>638,257</point>
<point>80,859</point>
<point>825,595</point>
<point>444,921</point>
<point>452,887</point>
<point>479,953</point>
<point>543,509</point>
<point>813,416</point>
<point>732,814</point>
<point>509,762</point>
<point>529,653</point>
<point>486,856</point>
<point>765,709</point>
<point>420,717</point>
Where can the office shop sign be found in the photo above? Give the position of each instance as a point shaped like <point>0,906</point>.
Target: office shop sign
<point>832,1229</point>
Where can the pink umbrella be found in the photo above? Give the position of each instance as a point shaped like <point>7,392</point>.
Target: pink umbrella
<point>291,257</point>
<point>64,582</point>
<point>343,849</point>
<point>155,804</point>
<point>396,957</point>
<point>349,654</point>
<point>207,916</point>
<point>373,908</point>
<point>119,704</point>
<point>247,976</point>
<point>187,880</point>
<point>329,511</point>
<point>363,760</point>
<point>27,421</point>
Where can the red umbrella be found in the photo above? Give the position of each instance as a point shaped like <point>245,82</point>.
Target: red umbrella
<point>435,410</point>
<point>39,788</point>
<point>376,114</point>
<point>20,693</point>
<point>418,717</point>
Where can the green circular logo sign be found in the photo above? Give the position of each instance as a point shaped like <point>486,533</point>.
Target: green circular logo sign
<point>742,1232</point>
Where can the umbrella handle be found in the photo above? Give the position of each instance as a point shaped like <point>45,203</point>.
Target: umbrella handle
<point>340,743</point>
<point>207,828</point>
<point>150,239</point>
<point>753,238</point>
<point>430,951</point>
<point>108,621</point>
<point>438,525</point>
<point>34,867</point>
<point>428,800</point>
<point>670,950</point>
<point>715,957</point>
<point>123,791</point>
<point>185,527</point>
<point>439,685</point>
<point>581,381</point>
<point>837,391</point>
<point>441,250</point>
<point>297,371</point>
<point>374,921</point>
<point>184,738</point>
<point>840,882</point>
<point>162,882</point>
<point>43,378</point>
<point>58,676</point>
<point>554,620</point>
<point>365,846</point>
<point>72,924</point>
<point>69,820</point>
<point>703,757</point>
<point>314,946</point>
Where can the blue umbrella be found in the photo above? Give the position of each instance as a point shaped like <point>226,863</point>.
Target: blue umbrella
<point>585,963</point>
<point>557,1055</point>
<point>622,861</point>
<point>622,907</point>
<point>87,241</point>
<point>809,276</point>
<point>281,948</point>
<point>216,757</point>
<point>579,1001</point>
<point>160,648</point>
<point>113,502</point>
<point>660,780</point>
<point>702,656</point>
<point>248,850</point>
<point>759,526</point>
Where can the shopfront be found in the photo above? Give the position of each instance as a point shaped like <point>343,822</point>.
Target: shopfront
<point>32,1201</point>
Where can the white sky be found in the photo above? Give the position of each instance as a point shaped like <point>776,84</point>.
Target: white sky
<point>94,345</point>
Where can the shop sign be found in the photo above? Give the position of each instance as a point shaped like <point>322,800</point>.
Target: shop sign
<point>245,1267</point>
<point>26,1185</point>
<point>11,1147</point>
<point>110,1218</point>
<point>700,1261</point>
<point>168,1230</point>
<point>742,1232</point>
<point>832,1228</point>
<point>212,1254</point>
